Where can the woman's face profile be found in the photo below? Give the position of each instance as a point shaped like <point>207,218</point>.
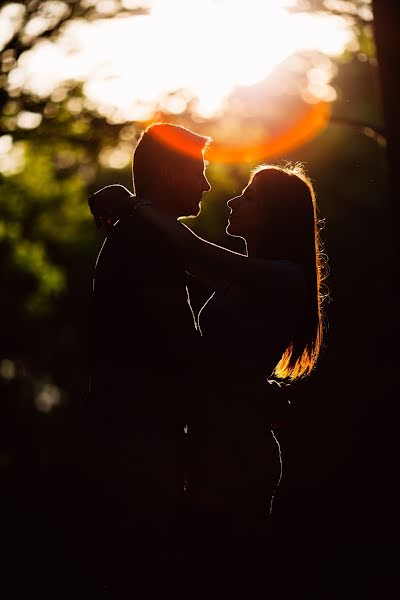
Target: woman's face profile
<point>246,218</point>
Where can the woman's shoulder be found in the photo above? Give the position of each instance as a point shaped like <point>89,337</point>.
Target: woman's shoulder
<point>288,277</point>
<point>289,282</point>
<point>288,267</point>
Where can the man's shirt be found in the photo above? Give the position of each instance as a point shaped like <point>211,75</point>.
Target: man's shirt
<point>145,344</point>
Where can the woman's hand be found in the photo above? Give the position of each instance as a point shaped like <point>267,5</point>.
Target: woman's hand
<point>111,203</point>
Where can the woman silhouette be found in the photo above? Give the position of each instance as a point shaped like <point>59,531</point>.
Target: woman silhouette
<point>264,320</point>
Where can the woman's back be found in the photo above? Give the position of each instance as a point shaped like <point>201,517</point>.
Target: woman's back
<point>246,331</point>
<point>235,457</point>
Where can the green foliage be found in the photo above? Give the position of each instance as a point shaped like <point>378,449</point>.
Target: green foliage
<point>29,260</point>
<point>47,251</point>
<point>40,211</point>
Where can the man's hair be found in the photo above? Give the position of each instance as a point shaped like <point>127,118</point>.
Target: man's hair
<point>161,146</point>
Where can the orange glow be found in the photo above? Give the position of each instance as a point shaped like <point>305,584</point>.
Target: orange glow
<point>183,144</point>
<point>309,124</point>
<point>303,130</point>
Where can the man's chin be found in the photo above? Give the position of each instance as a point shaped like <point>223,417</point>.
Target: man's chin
<point>192,213</point>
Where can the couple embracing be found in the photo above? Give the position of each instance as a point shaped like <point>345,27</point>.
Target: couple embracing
<point>182,462</point>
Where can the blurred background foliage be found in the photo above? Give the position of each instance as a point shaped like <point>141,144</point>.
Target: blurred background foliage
<point>57,149</point>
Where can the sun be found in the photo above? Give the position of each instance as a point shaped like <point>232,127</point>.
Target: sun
<point>209,47</point>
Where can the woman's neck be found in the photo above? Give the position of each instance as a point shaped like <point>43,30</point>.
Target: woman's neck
<point>251,248</point>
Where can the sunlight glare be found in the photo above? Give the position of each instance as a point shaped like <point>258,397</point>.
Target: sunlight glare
<point>11,16</point>
<point>129,65</point>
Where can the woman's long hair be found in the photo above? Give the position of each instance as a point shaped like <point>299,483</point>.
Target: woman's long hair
<point>292,233</point>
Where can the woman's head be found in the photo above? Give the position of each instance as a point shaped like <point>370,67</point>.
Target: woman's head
<point>277,215</point>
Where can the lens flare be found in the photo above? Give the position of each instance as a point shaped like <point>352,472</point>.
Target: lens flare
<point>307,126</point>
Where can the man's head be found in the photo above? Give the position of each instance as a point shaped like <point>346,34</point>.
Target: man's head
<point>168,168</point>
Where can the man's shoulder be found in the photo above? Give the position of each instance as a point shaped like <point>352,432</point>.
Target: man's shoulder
<point>136,232</point>
<point>139,248</point>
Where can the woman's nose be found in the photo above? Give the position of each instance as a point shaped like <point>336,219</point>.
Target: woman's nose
<point>232,203</point>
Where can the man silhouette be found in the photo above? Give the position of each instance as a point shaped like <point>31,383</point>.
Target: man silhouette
<point>145,349</point>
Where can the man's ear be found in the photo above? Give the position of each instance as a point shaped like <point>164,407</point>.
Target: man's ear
<point>169,176</point>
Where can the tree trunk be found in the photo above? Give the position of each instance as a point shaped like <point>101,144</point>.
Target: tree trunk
<point>387,27</point>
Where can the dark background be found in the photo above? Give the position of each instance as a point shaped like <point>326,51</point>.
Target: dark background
<point>335,515</point>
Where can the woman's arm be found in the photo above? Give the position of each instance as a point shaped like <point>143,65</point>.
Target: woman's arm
<point>225,264</point>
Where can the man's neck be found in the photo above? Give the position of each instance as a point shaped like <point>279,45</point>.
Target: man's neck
<point>164,204</point>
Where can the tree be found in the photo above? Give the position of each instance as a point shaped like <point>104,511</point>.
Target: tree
<point>386,26</point>
<point>26,24</point>
<point>383,20</point>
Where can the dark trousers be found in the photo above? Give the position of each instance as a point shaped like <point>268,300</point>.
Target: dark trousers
<point>131,502</point>
<point>234,471</point>
<point>141,533</point>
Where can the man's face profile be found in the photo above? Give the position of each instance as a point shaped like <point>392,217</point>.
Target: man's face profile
<point>168,167</point>
<point>190,184</point>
